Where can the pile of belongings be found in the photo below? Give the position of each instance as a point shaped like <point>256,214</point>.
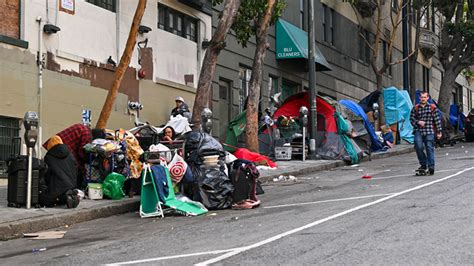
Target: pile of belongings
<point>115,160</point>
<point>204,178</point>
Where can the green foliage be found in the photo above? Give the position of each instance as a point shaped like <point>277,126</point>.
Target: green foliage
<point>249,14</point>
<point>466,29</point>
<point>468,73</point>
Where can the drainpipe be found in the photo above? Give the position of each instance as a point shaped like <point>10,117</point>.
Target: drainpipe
<point>39,62</point>
<point>117,29</point>
<point>406,81</point>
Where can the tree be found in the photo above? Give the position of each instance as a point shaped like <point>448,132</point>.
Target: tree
<point>383,39</point>
<point>253,19</point>
<point>122,67</point>
<point>456,47</point>
<point>216,44</point>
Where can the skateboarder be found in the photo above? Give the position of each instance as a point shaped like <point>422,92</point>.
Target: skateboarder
<point>426,122</point>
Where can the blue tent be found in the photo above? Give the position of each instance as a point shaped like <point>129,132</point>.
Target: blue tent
<point>398,106</point>
<point>376,144</point>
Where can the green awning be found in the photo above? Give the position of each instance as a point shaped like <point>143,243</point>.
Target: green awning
<point>292,42</point>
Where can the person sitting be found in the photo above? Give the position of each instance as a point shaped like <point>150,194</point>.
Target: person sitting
<point>75,137</point>
<point>387,136</point>
<point>168,135</point>
<point>60,180</point>
<point>181,108</point>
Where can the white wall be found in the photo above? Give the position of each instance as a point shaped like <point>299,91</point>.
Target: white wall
<point>88,34</point>
<point>93,33</point>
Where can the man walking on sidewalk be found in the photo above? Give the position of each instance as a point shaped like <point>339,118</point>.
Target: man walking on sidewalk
<point>426,123</point>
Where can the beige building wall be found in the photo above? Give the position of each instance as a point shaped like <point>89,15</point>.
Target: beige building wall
<point>64,97</point>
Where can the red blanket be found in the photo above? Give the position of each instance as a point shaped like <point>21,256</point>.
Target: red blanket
<point>257,158</point>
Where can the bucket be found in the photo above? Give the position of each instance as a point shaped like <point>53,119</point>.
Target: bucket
<point>211,160</point>
<point>94,191</point>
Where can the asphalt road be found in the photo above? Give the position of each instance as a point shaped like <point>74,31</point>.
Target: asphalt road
<point>330,217</point>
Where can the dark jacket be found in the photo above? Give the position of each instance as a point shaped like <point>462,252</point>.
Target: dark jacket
<point>61,174</point>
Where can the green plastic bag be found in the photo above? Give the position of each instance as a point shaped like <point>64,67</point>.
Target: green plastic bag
<point>112,186</point>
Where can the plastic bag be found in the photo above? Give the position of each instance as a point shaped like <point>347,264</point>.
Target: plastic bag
<point>112,186</point>
<point>177,168</point>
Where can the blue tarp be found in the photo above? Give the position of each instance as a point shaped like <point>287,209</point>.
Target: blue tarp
<point>398,106</point>
<point>454,114</point>
<point>376,144</point>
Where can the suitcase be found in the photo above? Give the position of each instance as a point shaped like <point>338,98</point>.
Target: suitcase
<point>18,178</point>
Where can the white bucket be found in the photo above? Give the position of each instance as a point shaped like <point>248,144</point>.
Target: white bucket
<point>94,191</point>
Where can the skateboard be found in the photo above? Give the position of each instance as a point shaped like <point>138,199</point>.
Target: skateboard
<point>421,172</point>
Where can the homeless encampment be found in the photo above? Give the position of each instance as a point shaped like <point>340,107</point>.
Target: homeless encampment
<point>362,126</point>
<point>332,141</point>
<point>398,106</point>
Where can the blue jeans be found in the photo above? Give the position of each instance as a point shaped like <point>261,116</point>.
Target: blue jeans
<point>422,142</point>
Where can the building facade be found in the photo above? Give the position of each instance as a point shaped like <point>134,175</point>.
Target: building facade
<point>338,39</point>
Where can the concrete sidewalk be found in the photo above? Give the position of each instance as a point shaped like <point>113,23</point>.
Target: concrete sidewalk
<point>16,221</point>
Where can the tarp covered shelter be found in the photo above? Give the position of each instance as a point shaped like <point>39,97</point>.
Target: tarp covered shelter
<point>329,143</point>
<point>398,106</point>
<point>375,143</point>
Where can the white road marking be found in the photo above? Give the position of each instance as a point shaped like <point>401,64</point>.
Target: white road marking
<point>388,177</point>
<point>296,230</point>
<point>173,257</point>
<point>324,201</point>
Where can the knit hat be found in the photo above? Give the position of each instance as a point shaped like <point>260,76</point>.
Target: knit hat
<point>53,141</point>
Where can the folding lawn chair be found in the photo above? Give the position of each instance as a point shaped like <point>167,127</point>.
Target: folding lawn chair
<point>150,205</point>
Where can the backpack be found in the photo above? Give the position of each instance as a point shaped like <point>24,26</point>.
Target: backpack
<point>433,108</point>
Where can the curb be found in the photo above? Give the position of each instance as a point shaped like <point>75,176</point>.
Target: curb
<point>11,230</point>
<point>334,164</point>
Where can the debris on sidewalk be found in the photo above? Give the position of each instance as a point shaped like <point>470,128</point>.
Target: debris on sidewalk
<point>45,235</point>
<point>284,178</point>
<point>36,250</point>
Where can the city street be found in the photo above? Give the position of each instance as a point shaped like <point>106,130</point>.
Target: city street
<point>329,217</point>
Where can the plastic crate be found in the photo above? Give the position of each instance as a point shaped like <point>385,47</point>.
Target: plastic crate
<point>283,153</point>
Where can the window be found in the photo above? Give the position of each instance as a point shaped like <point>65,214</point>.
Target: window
<point>177,23</point>
<point>425,20</point>
<point>426,79</point>
<point>302,15</point>
<point>324,22</point>
<point>364,50</point>
<point>224,89</point>
<point>385,57</point>
<point>470,100</point>
<point>395,5</point>
<point>9,141</point>
<point>328,25</point>
<point>273,87</point>
<point>244,77</point>
<point>105,4</point>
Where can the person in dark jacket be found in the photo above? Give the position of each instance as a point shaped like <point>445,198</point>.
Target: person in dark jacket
<point>60,179</point>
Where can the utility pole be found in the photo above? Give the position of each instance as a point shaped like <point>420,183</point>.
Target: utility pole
<point>405,39</point>
<point>312,81</point>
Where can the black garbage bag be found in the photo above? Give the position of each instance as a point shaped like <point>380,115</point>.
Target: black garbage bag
<point>200,144</point>
<point>215,189</point>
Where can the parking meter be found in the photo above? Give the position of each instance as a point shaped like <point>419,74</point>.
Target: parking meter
<point>30,121</point>
<point>206,120</point>
<point>375,106</point>
<point>304,124</point>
